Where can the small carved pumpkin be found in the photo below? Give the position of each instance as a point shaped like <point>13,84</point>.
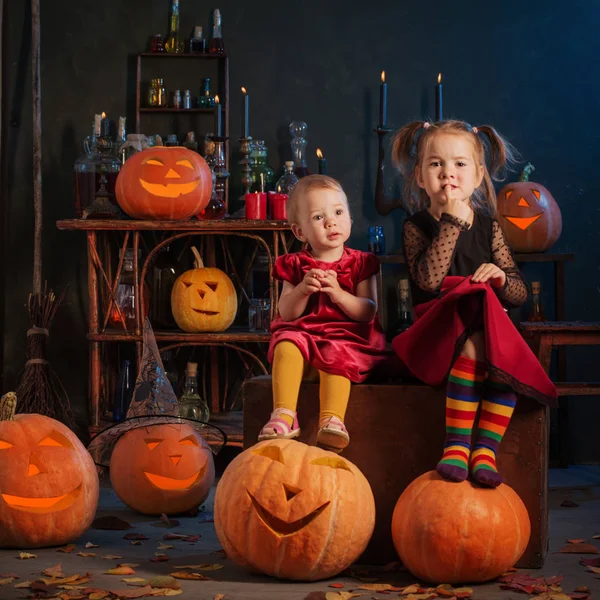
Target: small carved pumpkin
<point>164,183</point>
<point>166,468</point>
<point>203,299</point>
<point>528,214</point>
<point>293,511</point>
<point>447,532</point>
<point>48,481</point>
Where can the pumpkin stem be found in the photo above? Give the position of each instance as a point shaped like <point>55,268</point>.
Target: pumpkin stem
<point>528,169</point>
<point>198,264</point>
<point>8,405</point>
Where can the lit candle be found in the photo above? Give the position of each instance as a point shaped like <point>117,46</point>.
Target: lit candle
<point>219,127</point>
<point>97,121</point>
<point>321,162</point>
<point>104,126</point>
<point>245,114</point>
<point>438,99</point>
<point>383,101</point>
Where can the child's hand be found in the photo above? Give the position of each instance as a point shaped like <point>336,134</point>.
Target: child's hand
<point>458,207</point>
<point>489,272</point>
<point>330,285</point>
<point>311,282</point>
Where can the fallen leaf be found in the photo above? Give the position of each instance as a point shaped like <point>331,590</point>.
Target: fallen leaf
<point>26,555</point>
<point>87,554</point>
<point>55,571</point>
<point>166,522</point>
<point>594,569</point>
<point>181,536</point>
<point>23,584</point>
<point>583,589</point>
<point>579,595</point>
<point>172,592</point>
<point>110,522</point>
<point>134,536</point>
<point>6,580</point>
<point>569,504</point>
<point>463,592</point>
<point>379,587</point>
<point>111,557</point>
<point>221,552</point>
<point>205,567</point>
<point>90,545</point>
<point>164,581</point>
<point>596,537</point>
<point>120,571</point>
<point>336,585</point>
<point>316,596</point>
<point>580,549</point>
<point>590,562</point>
<point>162,546</point>
<point>340,595</point>
<point>99,595</point>
<point>575,541</point>
<point>133,580</point>
<point>411,589</point>
<point>424,596</point>
<point>136,543</point>
<point>134,593</point>
<point>13,575</point>
<point>131,565</point>
<point>67,549</point>
<point>219,597</point>
<point>186,575</point>
<point>160,557</point>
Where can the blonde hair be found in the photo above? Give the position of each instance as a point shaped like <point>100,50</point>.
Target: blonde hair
<point>308,184</point>
<point>492,152</point>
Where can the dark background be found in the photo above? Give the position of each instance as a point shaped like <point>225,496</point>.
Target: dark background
<point>530,69</point>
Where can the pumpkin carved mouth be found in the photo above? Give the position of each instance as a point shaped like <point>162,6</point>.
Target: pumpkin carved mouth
<point>169,483</point>
<point>523,222</point>
<point>210,313</point>
<point>169,190</point>
<point>42,505</point>
<point>281,527</point>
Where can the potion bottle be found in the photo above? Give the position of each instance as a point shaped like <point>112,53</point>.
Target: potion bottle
<point>288,180</point>
<point>215,209</point>
<point>216,45</point>
<point>191,405</point>
<point>298,143</point>
<point>262,174</point>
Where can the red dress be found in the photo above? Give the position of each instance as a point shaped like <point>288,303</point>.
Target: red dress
<point>327,338</point>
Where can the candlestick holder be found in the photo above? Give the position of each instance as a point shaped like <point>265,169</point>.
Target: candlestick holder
<point>383,205</point>
<point>247,161</point>
<point>220,168</point>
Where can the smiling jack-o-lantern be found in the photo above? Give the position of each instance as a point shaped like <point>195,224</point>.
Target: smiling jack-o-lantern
<point>164,183</point>
<point>166,468</point>
<point>203,299</point>
<point>293,511</point>
<point>48,481</point>
<point>528,214</point>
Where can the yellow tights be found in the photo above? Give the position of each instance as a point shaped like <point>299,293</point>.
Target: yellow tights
<point>290,368</point>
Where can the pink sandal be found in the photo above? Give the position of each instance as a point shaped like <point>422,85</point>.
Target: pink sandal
<point>333,435</point>
<point>278,428</point>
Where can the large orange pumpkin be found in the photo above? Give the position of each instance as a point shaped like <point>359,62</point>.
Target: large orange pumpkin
<point>164,183</point>
<point>48,481</point>
<point>447,532</point>
<point>166,468</point>
<point>203,299</point>
<point>293,511</point>
<point>528,214</point>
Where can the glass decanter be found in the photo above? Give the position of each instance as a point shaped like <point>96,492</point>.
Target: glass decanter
<point>298,130</point>
<point>191,405</point>
<point>262,174</point>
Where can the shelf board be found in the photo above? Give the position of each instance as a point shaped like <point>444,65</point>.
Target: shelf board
<point>183,55</point>
<point>212,227</point>
<point>177,110</point>
<point>229,336</point>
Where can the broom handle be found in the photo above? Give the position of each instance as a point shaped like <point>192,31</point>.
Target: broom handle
<point>37,146</point>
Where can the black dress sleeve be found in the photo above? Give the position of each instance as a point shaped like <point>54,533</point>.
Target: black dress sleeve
<point>429,261</point>
<point>514,292</point>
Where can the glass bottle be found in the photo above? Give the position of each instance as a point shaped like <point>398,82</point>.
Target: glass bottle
<point>157,43</point>
<point>298,130</point>
<point>123,391</point>
<point>209,151</point>
<point>190,141</point>
<point>215,209</point>
<point>174,43</point>
<point>197,41</point>
<point>165,270</point>
<point>376,239</point>
<point>262,174</point>
<point>157,94</point>
<point>537,312</point>
<point>187,99</point>
<point>216,45</point>
<point>288,180</point>
<point>206,100</point>
<point>191,405</point>
<point>404,320</point>
<point>172,140</point>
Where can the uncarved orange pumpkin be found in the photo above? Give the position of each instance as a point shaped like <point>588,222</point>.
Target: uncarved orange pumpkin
<point>164,183</point>
<point>203,299</point>
<point>528,214</point>
<point>48,482</point>
<point>166,468</point>
<point>293,511</point>
<point>447,532</point>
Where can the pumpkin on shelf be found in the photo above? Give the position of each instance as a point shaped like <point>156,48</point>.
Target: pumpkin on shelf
<point>528,214</point>
<point>48,481</point>
<point>447,532</point>
<point>164,183</point>
<point>293,511</point>
<point>166,468</point>
<point>203,299</point>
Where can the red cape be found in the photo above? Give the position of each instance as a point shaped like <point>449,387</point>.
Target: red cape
<point>429,347</point>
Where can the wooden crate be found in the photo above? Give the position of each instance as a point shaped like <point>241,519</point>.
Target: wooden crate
<point>397,434</point>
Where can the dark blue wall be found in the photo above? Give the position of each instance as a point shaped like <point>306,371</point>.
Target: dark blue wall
<point>530,69</point>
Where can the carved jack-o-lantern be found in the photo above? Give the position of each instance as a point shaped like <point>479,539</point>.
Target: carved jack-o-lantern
<point>293,511</point>
<point>528,214</point>
<point>164,183</point>
<point>203,299</point>
<point>48,481</point>
<point>166,468</point>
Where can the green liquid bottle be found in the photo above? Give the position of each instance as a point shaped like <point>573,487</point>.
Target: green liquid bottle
<point>174,43</point>
<point>191,405</point>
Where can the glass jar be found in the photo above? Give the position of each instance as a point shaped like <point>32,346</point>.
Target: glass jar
<point>259,315</point>
<point>157,43</point>
<point>262,174</point>
<point>157,94</point>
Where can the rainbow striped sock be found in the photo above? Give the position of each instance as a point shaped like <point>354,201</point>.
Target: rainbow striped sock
<point>462,400</point>
<point>496,411</point>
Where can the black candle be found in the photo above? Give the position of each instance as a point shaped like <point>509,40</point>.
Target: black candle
<point>219,127</point>
<point>245,114</point>
<point>321,163</point>
<point>439,112</point>
<point>104,126</point>
<point>383,101</point>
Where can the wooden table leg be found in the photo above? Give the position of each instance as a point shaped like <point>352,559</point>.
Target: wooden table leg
<point>561,367</point>
<point>93,328</point>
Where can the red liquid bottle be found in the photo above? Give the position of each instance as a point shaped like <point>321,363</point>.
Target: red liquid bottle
<point>216,45</point>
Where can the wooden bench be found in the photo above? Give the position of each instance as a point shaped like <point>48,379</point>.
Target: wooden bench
<point>397,433</point>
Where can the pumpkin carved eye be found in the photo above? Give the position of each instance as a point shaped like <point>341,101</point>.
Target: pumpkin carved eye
<point>57,440</point>
<point>185,163</point>
<point>333,462</point>
<point>5,445</point>
<point>213,285</point>
<point>187,284</point>
<point>152,443</point>
<point>189,441</point>
<point>272,452</point>
<point>153,161</point>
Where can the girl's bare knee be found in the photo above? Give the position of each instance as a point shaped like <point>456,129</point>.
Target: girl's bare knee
<point>474,347</point>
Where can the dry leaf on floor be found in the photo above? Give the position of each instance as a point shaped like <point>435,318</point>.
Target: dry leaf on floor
<point>164,581</point>
<point>129,593</point>
<point>219,597</point>
<point>166,522</point>
<point>580,549</point>
<point>203,567</point>
<point>336,585</point>
<point>340,595</point>
<point>551,596</point>
<point>134,580</point>
<point>110,522</point>
<point>90,545</point>
<point>13,575</point>
<point>315,596</point>
<point>136,543</point>
<point>463,592</point>
<point>590,562</point>
<point>130,565</point>
<point>120,571</point>
<point>87,554</point>
<point>583,589</point>
<point>221,552</point>
<point>55,571</point>
<point>379,587</point>
<point>594,569</point>
<point>424,596</point>
<point>99,595</point>
<point>181,536</point>
<point>24,584</point>
<point>111,557</point>
<point>26,555</point>
<point>160,557</point>
<point>569,504</point>
<point>575,541</point>
<point>579,595</point>
<point>67,549</point>
<point>186,575</point>
<point>596,537</point>
<point>134,536</point>
<point>162,546</point>
<point>6,580</point>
